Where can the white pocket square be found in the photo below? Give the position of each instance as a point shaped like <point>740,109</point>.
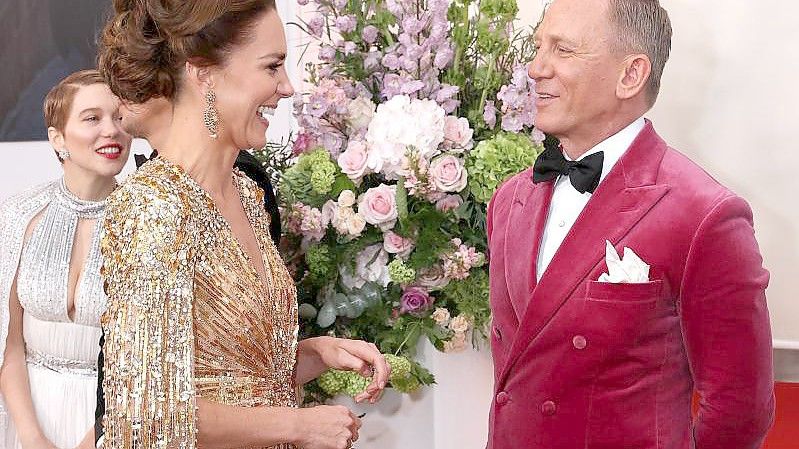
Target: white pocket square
<point>629,269</point>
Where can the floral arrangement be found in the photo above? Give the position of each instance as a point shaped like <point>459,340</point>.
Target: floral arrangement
<point>416,112</point>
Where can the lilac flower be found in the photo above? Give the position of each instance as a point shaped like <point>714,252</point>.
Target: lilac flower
<point>372,60</point>
<point>408,64</point>
<point>349,47</point>
<point>316,25</point>
<point>490,114</point>
<point>411,86</point>
<point>369,34</point>
<point>518,104</point>
<point>302,2</point>
<point>412,25</point>
<point>391,61</point>
<point>327,53</point>
<point>444,57</point>
<point>446,92</point>
<point>317,105</point>
<point>346,23</point>
<point>392,85</point>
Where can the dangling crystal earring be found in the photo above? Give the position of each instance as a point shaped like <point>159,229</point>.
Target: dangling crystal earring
<point>63,153</point>
<point>211,115</point>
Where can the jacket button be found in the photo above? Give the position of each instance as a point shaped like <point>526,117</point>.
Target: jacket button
<point>548,408</point>
<point>579,342</point>
<point>497,333</point>
<point>502,398</point>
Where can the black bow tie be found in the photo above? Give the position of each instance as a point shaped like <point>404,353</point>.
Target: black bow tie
<point>583,174</point>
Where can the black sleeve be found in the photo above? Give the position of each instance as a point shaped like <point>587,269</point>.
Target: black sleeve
<point>247,163</point>
<point>99,411</point>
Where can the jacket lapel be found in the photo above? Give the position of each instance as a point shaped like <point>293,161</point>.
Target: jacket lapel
<point>528,214</point>
<point>626,195</point>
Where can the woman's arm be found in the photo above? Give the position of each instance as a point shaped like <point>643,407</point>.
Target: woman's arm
<point>14,382</point>
<point>317,354</point>
<point>323,427</point>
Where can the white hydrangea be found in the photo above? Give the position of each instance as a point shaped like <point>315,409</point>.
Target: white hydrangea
<point>401,123</point>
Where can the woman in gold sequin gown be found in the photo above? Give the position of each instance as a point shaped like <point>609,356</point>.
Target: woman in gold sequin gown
<point>201,330</point>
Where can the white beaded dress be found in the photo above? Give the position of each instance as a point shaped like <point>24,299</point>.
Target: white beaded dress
<point>61,350</point>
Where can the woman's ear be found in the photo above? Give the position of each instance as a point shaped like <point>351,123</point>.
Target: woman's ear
<point>201,77</point>
<point>56,138</point>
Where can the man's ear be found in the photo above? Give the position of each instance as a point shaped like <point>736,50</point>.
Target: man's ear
<point>636,70</point>
<point>56,138</point>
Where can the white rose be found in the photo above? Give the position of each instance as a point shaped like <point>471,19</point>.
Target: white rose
<point>441,316</point>
<point>355,224</point>
<point>447,174</point>
<point>342,214</point>
<point>359,113</point>
<point>459,324</point>
<point>456,343</point>
<point>346,198</point>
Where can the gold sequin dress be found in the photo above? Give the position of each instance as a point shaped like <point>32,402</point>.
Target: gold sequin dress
<point>187,313</point>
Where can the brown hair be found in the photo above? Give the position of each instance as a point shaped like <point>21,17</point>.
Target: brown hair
<point>58,101</point>
<point>145,45</point>
<point>644,26</point>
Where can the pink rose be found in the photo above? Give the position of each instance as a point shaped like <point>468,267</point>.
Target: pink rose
<point>353,160</point>
<point>447,174</point>
<point>394,243</point>
<point>378,206</point>
<point>458,132</point>
<point>449,202</point>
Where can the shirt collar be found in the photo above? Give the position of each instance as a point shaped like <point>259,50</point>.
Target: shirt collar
<point>615,146</point>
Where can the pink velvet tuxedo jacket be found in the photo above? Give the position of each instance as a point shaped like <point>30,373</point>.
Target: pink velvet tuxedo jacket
<point>584,364</point>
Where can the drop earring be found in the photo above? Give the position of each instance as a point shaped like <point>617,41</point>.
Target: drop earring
<point>63,153</point>
<point>211,115</point>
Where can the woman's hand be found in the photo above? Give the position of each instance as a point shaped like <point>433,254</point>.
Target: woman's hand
<point>351,355</point>
<point>325,427</point>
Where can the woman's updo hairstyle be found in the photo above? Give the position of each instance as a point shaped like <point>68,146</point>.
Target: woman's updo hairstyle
<point>145,45</point>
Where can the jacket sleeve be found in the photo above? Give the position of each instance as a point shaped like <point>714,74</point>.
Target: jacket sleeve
<point>727,332</point>
<point>149,342</point>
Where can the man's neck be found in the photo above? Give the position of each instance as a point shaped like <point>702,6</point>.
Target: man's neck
<point>577,144</point>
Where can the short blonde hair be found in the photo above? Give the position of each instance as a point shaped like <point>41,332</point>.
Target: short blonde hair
<point>58,101</point>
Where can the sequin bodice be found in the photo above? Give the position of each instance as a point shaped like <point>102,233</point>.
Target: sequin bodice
<point>188,315</point>
<point>45,260</point>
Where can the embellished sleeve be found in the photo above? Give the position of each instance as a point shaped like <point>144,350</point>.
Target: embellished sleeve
<point>149,342</point>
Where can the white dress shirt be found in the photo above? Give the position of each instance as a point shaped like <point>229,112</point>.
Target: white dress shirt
<point>568,203</point>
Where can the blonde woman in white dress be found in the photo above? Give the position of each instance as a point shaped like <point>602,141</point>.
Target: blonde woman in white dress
<point>51,293</point>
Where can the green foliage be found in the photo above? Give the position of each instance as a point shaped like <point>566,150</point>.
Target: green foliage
<point>400,273</point>
<point>495,160</point>
<point>470,296</point>
<point>311,178</point>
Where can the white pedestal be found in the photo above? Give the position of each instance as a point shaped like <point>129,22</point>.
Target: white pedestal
<point>450,415</point>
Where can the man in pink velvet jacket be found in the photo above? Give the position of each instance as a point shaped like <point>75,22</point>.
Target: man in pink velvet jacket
<point>586,364</point>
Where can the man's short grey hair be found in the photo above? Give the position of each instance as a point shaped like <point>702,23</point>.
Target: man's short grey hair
<point>643,26</point>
